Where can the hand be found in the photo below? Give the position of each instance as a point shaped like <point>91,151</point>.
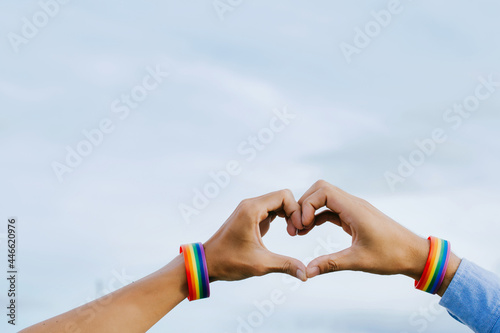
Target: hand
<point>379,244</point>
<point>236,250</point>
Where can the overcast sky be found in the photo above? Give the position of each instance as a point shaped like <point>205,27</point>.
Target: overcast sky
<point>291,91</point>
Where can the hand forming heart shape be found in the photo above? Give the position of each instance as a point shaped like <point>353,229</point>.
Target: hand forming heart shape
<point>236,251</point>
<point>379,244</point>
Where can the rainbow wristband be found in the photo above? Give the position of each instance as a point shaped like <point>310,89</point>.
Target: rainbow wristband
<point>435,268</point>
<point>196,271</point>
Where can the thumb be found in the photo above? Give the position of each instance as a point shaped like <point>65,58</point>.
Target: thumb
<point>339,261</point>
<point>283,264</point>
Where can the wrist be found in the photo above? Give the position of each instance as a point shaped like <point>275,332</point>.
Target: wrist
<point>174,275</point>
<point>196,270</point>
<point>453,264</point>
<point>416,257</point>
<point>418,251</point>
<point>210,257</point>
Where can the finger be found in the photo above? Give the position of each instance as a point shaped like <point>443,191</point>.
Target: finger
<point>320,184</point>
<point>290,228</point>
<point>280,200</point>
<point>339,261</point>
<point>327,216</point>
<point>309,206</point>
<point>320,218</point>
<point>331,197</point>
<point>314,187</point>
<point>265,224</point>
<point>283,264</point>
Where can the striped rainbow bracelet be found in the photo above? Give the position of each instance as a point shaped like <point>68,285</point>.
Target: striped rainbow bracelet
<point>196,271</point>
<point>435,268</point>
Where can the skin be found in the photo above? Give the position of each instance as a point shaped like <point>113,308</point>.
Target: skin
<point>236,252</point>
<point>379,244</point>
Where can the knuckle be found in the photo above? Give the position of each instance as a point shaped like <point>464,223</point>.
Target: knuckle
<point>286,192</point>
<point>321,183</point>
<point>286,267</point>
<point>364,202</point>
<point>332,265</point>
<point>365,205</point>
<point>245,204</point>
<point>246,207</point>
<point>322,191</point>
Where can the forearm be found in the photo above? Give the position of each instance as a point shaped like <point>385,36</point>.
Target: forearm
<point>234,252</point>
<point>133,308</point>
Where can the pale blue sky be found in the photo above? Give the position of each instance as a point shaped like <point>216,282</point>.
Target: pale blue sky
<point>119,209</point>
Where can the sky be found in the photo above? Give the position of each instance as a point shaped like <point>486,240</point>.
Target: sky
<point>114,116</point>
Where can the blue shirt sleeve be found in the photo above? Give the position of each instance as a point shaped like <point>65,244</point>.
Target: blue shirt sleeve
<point>473,298</point>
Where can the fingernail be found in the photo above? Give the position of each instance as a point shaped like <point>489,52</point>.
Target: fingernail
<point>301,275</point>
<point>296,232</point>
<point>312,272</point>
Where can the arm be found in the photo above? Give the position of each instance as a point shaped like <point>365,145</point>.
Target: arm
<point>234,252</point>
<point>133,308</point>
<point>379,244</point>
<point>382,246</point>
